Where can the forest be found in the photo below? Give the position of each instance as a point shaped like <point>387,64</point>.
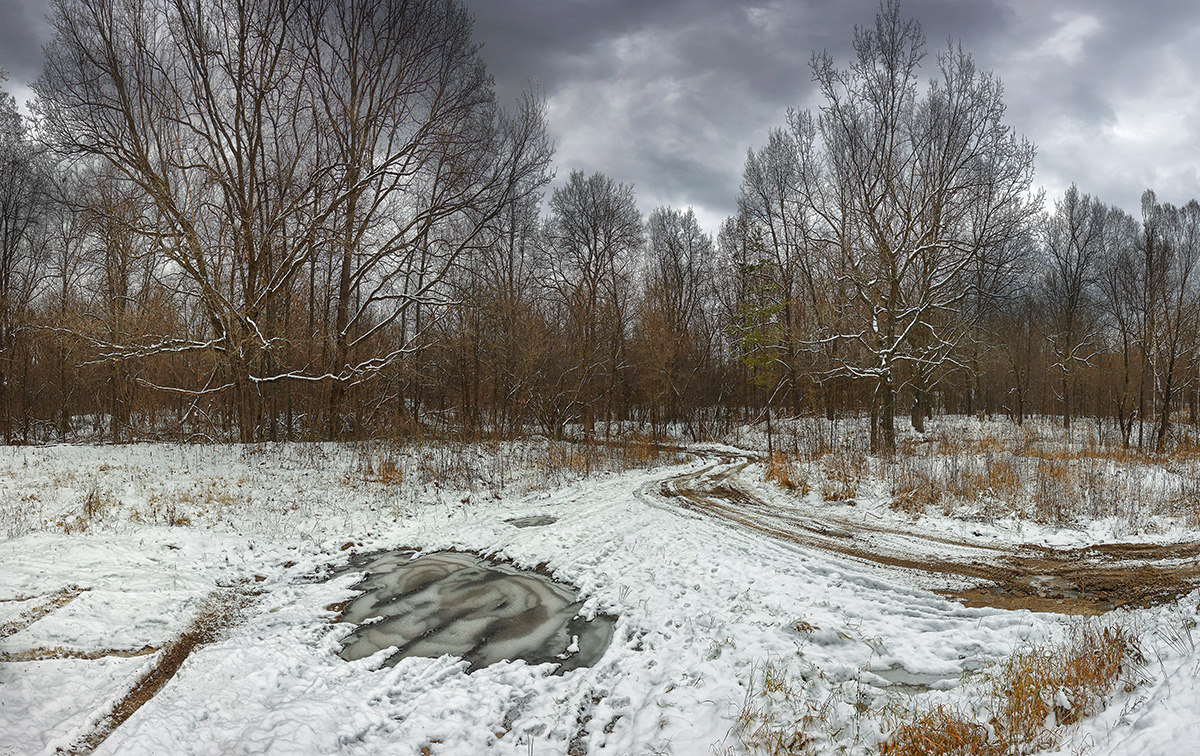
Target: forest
<point>340,419</point>
<point>257,220</point>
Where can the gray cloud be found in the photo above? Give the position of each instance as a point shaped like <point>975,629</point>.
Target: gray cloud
<point>668,95</point>
<point>23,30</point>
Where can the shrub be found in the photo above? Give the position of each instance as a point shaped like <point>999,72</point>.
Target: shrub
<point>787,474</point>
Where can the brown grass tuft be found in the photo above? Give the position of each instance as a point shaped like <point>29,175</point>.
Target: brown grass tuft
<point>914,488</point>
<point>942,730</point>
<point>1031,696</point>
<point>843,473</point>
<point>1039,689</point>
<point>778,717</point>
<point>787,474</point>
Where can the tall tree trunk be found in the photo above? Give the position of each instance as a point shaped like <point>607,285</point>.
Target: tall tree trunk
<point>1164,414</point>
<point>1066,399</point>
<point>887,419</point>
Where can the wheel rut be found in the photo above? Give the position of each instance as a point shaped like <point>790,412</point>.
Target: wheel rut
<point>1087,581</point>
<point>222,609</point>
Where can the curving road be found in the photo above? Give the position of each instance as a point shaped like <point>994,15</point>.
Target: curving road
<point>1088,580</point>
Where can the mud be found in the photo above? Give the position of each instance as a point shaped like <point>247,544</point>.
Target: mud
<point>222,609</point>
<point>1085,581</point>
<point>45,606</point>
<point>44,654</point>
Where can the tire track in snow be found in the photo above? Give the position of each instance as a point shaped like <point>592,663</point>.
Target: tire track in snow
<point>54,602</point>
<point>222,609</point>
<point>1088,580</point>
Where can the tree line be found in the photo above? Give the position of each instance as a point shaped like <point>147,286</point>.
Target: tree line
<point>306,219</point>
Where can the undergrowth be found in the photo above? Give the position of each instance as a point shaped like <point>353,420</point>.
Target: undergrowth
<point>995,470</point>
<point>780,714</point>
<point>1029,699</point>
<point>1020,705</point>
<point>388,477</point>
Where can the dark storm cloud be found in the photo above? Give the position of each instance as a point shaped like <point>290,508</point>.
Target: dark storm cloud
<point>1108,91</point>
<point>664,95</point>
<point>669,94</point>
<point>23,30</point>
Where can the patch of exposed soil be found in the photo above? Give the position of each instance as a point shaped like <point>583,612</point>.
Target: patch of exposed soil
<point>53,602</point>
<point>1089,580</point>
<point>44,654</point>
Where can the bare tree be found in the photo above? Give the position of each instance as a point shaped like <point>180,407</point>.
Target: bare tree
<point>427,162</point>
<point>266,133</point>
<point>196,105</point>
<point>1121,281</point>
<point>772,205</point>
<point>905,192</point>
<point>25,185</point>
<point>1171,241</point>
<point>675,318</point>
<point>494,346</point>
<point>594,231</point>
<point>1074,238</point>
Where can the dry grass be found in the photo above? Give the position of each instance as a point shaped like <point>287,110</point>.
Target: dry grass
<point>197,485</point>
<point>778,717</point>
<point>91,510</point>
<point>942,730</point>
<point>1039,689</point>
<point>385,470</point>
<point>492,466</point>
<point>1030,698</point>
<point>842,474</point>
<point>178,508</point>
<point>985,470</point>
<point>1055,493</point>
<point>961,445</point>
<point>1021,705</point>
<point>914,486</point>
<point>1003,478</point>
<point>788,474</point>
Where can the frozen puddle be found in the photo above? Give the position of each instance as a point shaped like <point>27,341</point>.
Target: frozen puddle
<point>468,606</point>
<point>535,521</point>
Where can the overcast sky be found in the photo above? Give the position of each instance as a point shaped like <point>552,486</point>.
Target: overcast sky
<point>669,94</point>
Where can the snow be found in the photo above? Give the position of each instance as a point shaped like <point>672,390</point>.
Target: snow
<point>44,703</point>
<point>702,608</point>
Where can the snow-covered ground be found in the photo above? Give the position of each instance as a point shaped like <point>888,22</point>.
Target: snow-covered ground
<point>703,608</point>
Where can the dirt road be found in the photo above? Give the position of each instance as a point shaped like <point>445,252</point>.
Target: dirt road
<point>1088,580</point>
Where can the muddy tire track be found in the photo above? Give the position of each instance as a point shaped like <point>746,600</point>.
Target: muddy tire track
<point>1088,580</point>
<point>51,603</point>
<point>222,609</point>
<point>49,654</point>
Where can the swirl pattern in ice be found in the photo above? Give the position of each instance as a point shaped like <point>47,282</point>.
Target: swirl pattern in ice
<point>464,605</point>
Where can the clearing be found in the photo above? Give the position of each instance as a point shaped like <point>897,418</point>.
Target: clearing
<point>220,570</point>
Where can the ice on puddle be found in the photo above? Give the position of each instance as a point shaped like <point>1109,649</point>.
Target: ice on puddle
<point>464,605</point>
